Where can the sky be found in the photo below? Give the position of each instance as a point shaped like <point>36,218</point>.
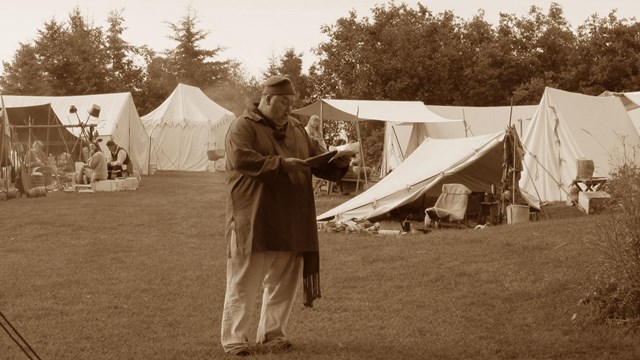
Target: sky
<point>254,31</point>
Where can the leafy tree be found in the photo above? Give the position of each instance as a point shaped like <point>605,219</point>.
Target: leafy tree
<point>237,92</point>
<point>22,74</point>
<point>608,55</point>
<point>398,54</point>
<point>157,84</point>
<point>73,58</point>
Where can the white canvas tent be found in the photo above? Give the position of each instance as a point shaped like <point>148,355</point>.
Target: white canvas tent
<point>475,162</point>
<point>567,127</point>
<point>404,119</point>
<point>118,120</point>
<point>402,138</point>
<point>184,127</point>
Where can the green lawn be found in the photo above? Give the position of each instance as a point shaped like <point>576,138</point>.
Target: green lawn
<point>141,275</point>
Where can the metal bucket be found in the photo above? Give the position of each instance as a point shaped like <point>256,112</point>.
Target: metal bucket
<point>517,214</point>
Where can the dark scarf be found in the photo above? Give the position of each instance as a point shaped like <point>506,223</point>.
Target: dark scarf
<point>311,277</point>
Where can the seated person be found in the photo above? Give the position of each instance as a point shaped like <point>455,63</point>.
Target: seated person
<point>119,164</point>
<point>96,167</point>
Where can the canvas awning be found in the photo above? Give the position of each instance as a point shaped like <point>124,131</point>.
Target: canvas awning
<point>380,110</point>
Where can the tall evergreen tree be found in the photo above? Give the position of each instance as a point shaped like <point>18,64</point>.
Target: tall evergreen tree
<point>124,74</point>
<point>190,63</point>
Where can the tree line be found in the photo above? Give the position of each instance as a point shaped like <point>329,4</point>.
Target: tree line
<point>397,53</point>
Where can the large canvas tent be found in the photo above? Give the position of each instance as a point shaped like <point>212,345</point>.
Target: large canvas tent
<point>184,127</point>
<point>475,162</point>
<point>118,120</point>
<point>410,121</point>
<point>567,127</point>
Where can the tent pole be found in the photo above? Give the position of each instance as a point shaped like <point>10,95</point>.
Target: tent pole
<point>149,163</point>
<point>511,111</point>
<point>5,171</point>
<point>464,122</point>
<point>395,135</point>
<point>362,165</point>
<point>513,169</point>
<point>322,121</point>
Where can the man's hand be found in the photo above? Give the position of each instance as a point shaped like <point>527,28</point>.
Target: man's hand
<point>293,164</point>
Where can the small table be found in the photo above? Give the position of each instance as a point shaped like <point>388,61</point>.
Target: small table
<point>490,209</point>
<point>589,184</point>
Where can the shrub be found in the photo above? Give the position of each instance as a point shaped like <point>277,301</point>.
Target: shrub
<point>614,294</point>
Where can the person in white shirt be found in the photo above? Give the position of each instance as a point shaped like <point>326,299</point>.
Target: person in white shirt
<point>120,164</point>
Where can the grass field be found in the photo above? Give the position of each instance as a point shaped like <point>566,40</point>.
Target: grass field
<point>141,275</point>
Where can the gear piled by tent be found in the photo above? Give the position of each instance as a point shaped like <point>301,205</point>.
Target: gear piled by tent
<point>118,120</point>
<point>37,148</point>
<point>512,156</point>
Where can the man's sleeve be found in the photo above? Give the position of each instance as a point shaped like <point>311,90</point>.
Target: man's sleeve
<point>122,156</point>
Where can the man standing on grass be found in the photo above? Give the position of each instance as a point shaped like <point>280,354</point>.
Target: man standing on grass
<point>271,220</point>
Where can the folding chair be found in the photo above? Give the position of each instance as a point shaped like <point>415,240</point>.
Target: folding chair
<point>451,205</point>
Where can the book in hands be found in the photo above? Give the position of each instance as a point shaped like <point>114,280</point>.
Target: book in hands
<point>345,150</point>
<point>336,152</point>
<point>320,160</point>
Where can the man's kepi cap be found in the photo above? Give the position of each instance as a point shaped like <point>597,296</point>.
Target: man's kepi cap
<point>278,85</point>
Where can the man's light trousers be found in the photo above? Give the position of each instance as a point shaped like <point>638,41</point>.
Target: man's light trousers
<point>280,273</point>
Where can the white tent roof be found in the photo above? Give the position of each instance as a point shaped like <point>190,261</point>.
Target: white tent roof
<point>483,120</point>
<point>184,127</point>
<point>407,123</point>
<point>187,106</point>
<point>381,110</point>
<point>635,98</point>
<point>631,102</point>
<point>403,138</point>
<point>475,162</point>
<point>567,127</point>
<point>118,119</point>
